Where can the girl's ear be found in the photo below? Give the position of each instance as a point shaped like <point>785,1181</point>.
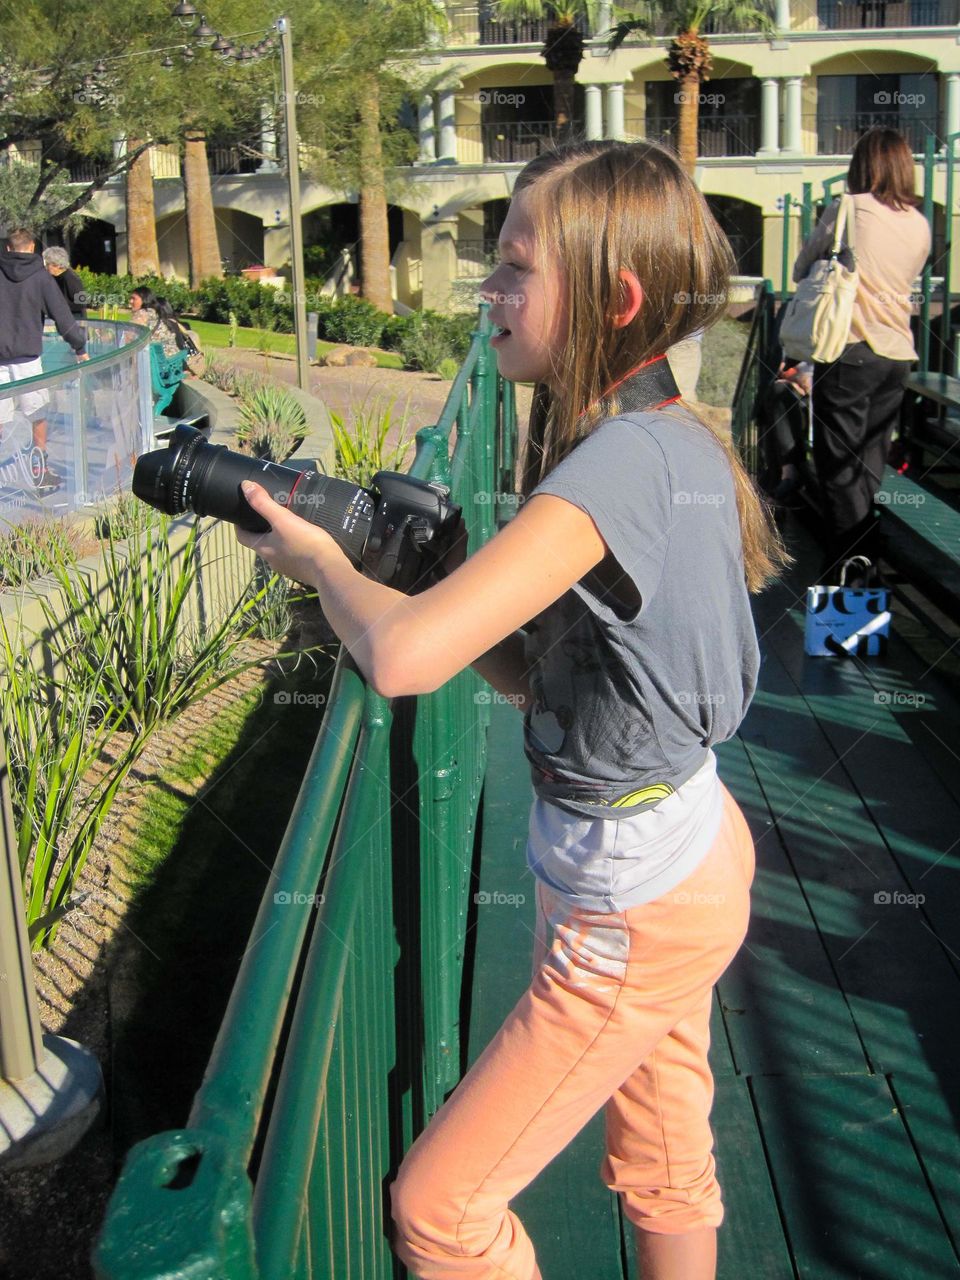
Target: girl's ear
<point>630,299</point>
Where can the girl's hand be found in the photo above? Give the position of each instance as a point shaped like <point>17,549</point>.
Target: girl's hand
<point>291,546</point>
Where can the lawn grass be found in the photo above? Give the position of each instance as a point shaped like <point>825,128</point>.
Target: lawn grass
<point>208,829</point>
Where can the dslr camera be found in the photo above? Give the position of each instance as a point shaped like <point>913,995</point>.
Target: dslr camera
<point>397,530</point>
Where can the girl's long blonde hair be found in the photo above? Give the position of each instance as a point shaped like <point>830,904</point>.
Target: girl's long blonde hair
<point>600,208</point>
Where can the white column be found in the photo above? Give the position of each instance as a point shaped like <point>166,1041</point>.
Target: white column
<point>615,121</point>
<point>427,125</point>
<point>769,117</point>
<point>952,121</point>
<point>593,111</point>
<point>268,140</point>
<point>792,103</point>
<point>604,19</point>
<point>448,126</point>
<point>782,15</point>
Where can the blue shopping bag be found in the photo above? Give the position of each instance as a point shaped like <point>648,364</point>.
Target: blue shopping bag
<point>847,621</point>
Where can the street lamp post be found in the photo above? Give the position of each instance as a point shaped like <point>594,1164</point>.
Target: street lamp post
<point>292,148</point>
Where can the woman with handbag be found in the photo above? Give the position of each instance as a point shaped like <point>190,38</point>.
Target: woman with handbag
<point>857,395</point>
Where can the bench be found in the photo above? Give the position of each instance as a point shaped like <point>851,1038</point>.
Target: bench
<point>166,374</point>
<point>941,392</point>
<point>922,533</point>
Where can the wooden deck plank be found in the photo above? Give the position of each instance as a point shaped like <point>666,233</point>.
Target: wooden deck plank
<point>783,1007</point>
<point>893,971</point>
<point>854,1198</point>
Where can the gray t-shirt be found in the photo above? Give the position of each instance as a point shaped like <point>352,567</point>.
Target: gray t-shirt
<point>627,699</point>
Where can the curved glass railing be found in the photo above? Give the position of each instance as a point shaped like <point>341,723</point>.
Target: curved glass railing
<point>69,436</point>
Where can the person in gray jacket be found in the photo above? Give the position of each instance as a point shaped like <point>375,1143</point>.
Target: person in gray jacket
<point>28,293</point>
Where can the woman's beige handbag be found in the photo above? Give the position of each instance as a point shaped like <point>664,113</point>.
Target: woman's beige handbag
<point>816,323</point>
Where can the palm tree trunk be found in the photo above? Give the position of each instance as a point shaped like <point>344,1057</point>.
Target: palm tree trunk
<point>374,230</point>
<point>563,82</point>
<point>689,118</point>
<point>143,255</point>
<point>204,248</point>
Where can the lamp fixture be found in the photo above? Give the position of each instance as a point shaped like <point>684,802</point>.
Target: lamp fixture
<point>184,13</point>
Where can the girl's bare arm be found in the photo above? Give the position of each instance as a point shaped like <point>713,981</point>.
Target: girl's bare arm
<point>414,644</point>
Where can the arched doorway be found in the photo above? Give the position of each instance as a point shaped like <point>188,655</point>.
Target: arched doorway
<point>95,247</point>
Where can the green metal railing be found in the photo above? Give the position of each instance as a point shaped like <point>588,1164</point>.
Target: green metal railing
<point>756,373</point>
<point>342,1034</point>
<point>933,160</point>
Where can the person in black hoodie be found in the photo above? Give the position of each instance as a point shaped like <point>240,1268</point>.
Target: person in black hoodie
<point>27,293</point>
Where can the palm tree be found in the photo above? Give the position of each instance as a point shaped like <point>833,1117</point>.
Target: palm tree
<point>688,57</point>
<point>562,47</point>
<point>202,240</point>
<point>143,255</point>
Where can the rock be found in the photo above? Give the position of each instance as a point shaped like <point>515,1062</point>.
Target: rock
<point>363,359</point>
<point>336,359</point>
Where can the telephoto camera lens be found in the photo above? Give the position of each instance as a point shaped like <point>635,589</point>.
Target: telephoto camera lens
<point>397,530</point>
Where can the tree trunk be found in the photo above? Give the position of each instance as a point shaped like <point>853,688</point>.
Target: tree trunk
<point>143,255</point>
<point>374,230</point>
<point>202,240</point>
<point>689,118</point>
<point>563,82</point>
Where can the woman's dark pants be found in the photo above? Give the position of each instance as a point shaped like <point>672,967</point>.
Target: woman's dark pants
<point>856,405</point>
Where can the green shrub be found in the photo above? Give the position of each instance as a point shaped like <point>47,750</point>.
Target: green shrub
<point>430,338</point>
<point>354,321</point>
<point>272,422</point>
<point>361,450</point>
<point>448,368</point>
<point>33,548</point>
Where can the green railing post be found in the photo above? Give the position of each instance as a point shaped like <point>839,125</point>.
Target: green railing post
<point>928,172</point>
<point>946,337</point>
<point>806,211</point>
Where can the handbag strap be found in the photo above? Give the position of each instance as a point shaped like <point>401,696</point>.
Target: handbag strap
<point>846,220</point>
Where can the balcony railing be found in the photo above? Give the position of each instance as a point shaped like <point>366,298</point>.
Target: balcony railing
<point>234,157</point>
<point>837,134</point>
<point>509,142</point>
<point>83,169</point>
<point>478,26</point>
<point>839,15</point>
<point>729,135</point>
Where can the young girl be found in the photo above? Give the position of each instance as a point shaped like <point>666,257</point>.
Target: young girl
<point>628,567</point>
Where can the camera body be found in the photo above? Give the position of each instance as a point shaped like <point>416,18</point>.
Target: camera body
<point>397,530</point>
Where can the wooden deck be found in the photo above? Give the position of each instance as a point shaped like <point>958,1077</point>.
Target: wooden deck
<point>836,1031</point>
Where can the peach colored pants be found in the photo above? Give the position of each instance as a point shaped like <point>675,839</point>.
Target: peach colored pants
<point>617,1015</point>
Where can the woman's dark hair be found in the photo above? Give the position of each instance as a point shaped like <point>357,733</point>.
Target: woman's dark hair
<point>146,295</point>
<point>882,164</point>
<point>164,309</point>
